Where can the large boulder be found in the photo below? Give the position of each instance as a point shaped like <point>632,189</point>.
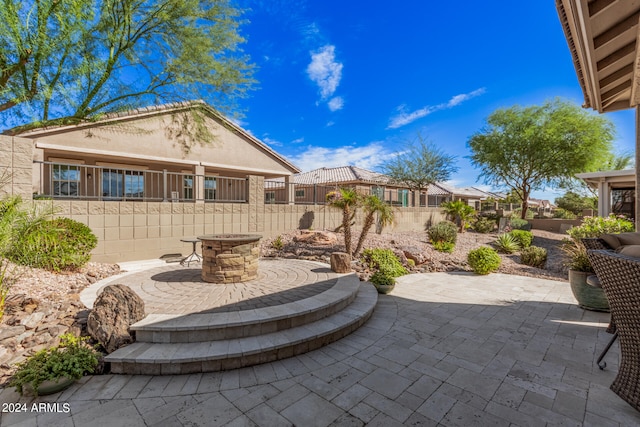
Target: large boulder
<point>316,237</point>
<point>114,311</point>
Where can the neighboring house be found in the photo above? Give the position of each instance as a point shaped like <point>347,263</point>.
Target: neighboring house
<point>616,191</point>
<point>470,195</point>
<point>157,153</point>
<point>313,187</point>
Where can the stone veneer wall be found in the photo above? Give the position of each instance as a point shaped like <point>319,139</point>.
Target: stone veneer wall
<point>16,166</point>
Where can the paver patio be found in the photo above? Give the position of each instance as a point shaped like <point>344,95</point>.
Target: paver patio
<point>451,349</point>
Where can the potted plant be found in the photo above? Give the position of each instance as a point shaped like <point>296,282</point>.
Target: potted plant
<point>386,267</point>
<point>383,282</point>
<point>54,369</point>
<point>588,297</point>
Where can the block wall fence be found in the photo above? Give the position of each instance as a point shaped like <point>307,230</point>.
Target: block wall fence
<point>129,231</point>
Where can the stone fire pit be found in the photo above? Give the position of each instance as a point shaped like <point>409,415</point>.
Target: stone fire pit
<point>230,258</point>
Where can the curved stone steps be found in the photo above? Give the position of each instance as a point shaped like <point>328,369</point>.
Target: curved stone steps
<point>149,358</point>
<point>199,327</point>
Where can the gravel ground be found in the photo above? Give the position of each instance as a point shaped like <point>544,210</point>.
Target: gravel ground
<point>417,242</point>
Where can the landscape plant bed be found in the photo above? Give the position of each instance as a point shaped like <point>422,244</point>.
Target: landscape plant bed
<point>435,261</point>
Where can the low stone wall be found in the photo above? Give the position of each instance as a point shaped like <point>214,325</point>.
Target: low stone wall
<point>554,225</point>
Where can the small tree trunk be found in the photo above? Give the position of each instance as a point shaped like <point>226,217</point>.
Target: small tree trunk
<point>346,225</point>
<point>368,223</point>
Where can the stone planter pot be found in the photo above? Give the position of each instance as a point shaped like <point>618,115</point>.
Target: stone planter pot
<point>384,289</point>
<point>588,297</point>
<point>50,387</point>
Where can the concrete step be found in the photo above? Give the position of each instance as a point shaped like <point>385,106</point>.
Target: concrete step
<point>147,358</point>
<point>200,327</point>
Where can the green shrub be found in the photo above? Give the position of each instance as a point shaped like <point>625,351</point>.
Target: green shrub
<point>595,226</point>
<point>519,224</point>
<point>382,278</point>
<point>484,225</point>
<point>71,359</point>
<point>384,261</point>
<point>484,260</point>
<point>446,247</point>
<point>277,244</point>
<point>411,263</point>
<point>523,237</point>
<point>534,256</point>
<point>563,214</point>
<point>507,243</point>
<point>444,231</point>
<point>57,244</point>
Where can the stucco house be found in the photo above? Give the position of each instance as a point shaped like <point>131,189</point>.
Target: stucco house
<point>616,191</point>
<point>313,186</point>
<point>175,152</point>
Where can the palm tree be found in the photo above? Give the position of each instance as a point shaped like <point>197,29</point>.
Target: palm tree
<point>347,199</point>
<point>459,212</point>
<point>374,206</point>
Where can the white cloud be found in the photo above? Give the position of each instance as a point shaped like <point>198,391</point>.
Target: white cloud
<point>271,142</point>
<point>459,99</point>
<point>336,103</point>
<point>297,141</point>
<point>330,123</point>
<point>404,117</point>
<point>325,71</point>
<point>367,157</point>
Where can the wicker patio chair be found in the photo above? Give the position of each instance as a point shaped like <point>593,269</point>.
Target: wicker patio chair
<point>595,244</point>
<point>599,244</point>
<point>620,278</point>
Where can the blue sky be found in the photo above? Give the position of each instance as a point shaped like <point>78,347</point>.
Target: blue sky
<point>354,82</point>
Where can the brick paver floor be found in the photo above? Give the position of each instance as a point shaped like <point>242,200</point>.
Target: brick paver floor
<point>173,289</point>
<point>450,349</point>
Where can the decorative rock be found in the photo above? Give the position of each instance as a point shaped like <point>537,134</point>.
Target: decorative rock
<point>11,331</point>
<point>415,254</point>
<point>32,320</point>
<point>114,311</point>
<point>316,237</point>
<point>341,262</point>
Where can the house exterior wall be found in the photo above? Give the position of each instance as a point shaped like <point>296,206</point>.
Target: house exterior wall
<point>153,139</point>
<point>129,231</point>
<point>16,166</point>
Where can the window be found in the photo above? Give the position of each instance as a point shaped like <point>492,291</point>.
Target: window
<point>210,185</point>
<point>270,197</point>
<point>403,198</point>
<point>299,193</point>
<point>118,184</point>
<point>378,192</point>
<point>187,187</point>
<point>66,180</point>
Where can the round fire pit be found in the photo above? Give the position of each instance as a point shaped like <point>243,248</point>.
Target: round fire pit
<point>229,258</point>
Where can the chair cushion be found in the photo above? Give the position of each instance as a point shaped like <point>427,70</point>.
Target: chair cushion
<point>611,240</point>
<point>630,250</point>
<point>629,238</point>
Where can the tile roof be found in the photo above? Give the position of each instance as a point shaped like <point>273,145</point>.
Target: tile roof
<point>342,174</point>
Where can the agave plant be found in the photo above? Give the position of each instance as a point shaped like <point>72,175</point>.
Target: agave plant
<point>506,243</point>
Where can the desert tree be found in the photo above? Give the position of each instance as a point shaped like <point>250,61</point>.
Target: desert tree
<point>421,164</point>
<point>66,61</point>
<point>531,148</point>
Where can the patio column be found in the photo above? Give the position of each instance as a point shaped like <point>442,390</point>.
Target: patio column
<point>289,190</point>
<point>198,183</point>
<point>604,198</point>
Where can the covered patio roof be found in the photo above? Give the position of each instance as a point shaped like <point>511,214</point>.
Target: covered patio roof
<point>603,39</point>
